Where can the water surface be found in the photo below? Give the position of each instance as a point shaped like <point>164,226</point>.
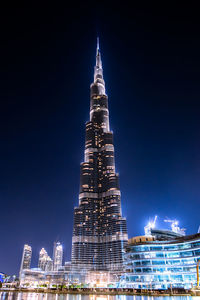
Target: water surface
<point>40,296</point>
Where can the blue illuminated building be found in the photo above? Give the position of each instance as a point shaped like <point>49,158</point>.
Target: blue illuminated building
<point>1,277</point>
<point>159,262</point>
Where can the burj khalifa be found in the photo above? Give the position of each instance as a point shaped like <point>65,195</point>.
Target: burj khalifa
<point>100,231</point>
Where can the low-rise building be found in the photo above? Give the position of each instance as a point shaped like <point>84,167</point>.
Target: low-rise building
<point>162,261</point>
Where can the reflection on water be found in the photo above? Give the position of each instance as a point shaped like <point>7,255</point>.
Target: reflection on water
<point>39,296</point>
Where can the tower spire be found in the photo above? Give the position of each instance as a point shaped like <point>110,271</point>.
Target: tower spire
<point>98,58</point>
<point>98,45</point>
<point>98,85</point>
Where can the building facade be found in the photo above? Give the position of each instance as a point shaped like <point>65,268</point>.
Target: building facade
<point>57,256</point>
<point>161,264</point>
<point>45,263</point>
<point>26,258</point>
<point>99,232</point>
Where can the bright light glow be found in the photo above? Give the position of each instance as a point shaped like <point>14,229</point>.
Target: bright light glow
<point>149,226</point>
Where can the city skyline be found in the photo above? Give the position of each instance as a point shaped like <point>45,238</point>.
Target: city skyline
<point>45,262</point>
<point>153,87</point>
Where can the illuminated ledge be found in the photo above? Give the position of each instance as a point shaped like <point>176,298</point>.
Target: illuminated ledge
<point>96,195</point>
<point>100,239</point>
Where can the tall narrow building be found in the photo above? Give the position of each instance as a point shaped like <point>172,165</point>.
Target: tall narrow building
<point>57,256</point>
<point>99,232</point>
<point>26,258</point>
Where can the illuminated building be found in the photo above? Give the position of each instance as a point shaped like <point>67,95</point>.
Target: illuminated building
<point>26,258</point>
<point>35,276</point>
<point>45,262</point>
<point>57,256</point>
<point>162,261</point>
<point>99,232</point>
<point>2,277</point>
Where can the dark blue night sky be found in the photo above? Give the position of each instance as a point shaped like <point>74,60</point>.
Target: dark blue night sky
<point>151,60</point>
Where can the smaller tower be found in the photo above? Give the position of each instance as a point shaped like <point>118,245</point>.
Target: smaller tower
<point>45,262</point>
<point>49,264</point>
<point>57,256</point>
<point>26,258</point>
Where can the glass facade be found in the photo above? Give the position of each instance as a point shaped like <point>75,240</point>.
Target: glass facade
<point>162,264</point>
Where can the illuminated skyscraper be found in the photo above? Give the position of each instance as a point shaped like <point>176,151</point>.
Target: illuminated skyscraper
<point>99,232</point>
<point>45,262</point>
<point>26,258</point>
<point>57,256</point>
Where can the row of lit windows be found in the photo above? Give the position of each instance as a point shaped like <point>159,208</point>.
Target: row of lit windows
<point>165,247</point>
<point>165,255</point>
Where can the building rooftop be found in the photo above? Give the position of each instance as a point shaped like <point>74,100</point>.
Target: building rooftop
<point>152,239</point>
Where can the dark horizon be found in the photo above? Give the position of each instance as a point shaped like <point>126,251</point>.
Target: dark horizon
<point>151,67</point>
